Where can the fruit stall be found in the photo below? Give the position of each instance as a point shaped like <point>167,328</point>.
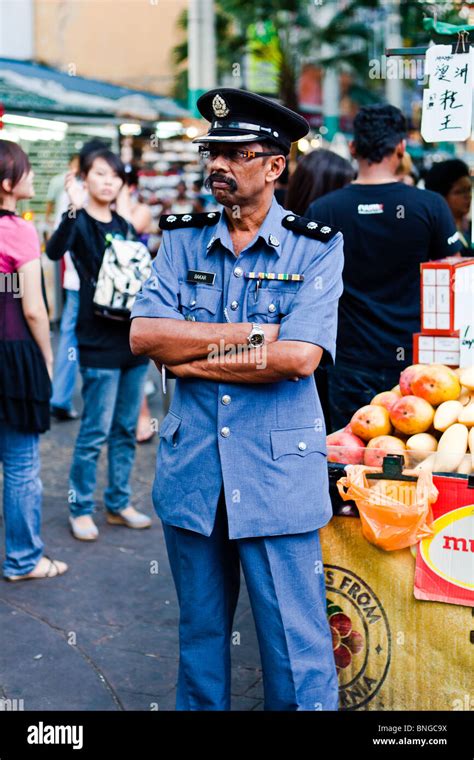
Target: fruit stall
<point>401,610</point>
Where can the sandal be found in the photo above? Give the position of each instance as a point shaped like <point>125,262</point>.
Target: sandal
<point>54,568</point>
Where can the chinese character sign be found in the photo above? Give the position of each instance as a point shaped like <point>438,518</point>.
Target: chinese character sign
<point>447,102</point>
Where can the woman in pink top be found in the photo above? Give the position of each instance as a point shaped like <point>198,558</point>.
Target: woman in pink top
<point>26,365</point>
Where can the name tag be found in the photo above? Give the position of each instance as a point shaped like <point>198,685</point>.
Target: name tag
<point>195,276</point>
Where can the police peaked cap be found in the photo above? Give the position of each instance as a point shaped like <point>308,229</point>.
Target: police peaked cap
<point>239,116</point>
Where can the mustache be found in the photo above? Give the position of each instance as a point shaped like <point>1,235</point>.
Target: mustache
<point>215,177</point>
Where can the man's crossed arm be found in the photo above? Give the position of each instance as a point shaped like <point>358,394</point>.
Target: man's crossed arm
<point>219,351</point>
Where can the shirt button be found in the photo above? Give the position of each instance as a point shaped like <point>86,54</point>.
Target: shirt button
<point>302,446</point>
<point>226,399</point>
<point>190,317</point>
<point>225,432</point>
<point>234,305</point>
<point>238,272</point>
<point>193,302</point>
<point>272,307</point>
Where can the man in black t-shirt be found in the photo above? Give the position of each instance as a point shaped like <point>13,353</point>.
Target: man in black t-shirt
<point>389,229</point>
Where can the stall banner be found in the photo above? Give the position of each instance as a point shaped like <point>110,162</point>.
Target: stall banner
<point>445,562</point>
<point>392,651</point>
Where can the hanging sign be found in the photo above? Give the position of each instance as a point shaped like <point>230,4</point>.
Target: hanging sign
<point>447,102</point>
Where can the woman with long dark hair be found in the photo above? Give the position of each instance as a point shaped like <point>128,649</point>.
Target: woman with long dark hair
<point>317,173</point>
<point>112,378</point>
<point>26,365</point>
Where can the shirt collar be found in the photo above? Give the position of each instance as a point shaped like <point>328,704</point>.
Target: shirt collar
<point>269,233</point>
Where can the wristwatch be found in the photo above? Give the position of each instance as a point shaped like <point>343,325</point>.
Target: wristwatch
<point>256,336</point>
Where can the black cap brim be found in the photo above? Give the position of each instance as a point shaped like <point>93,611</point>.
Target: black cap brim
<point>228,138</point>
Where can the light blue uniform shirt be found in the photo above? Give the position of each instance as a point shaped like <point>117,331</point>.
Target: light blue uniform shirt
<point>264,442</point>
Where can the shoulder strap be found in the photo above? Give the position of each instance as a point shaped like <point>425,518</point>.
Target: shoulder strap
<point>176,221</point>
<point>84,229</point>
<point>303,226</point>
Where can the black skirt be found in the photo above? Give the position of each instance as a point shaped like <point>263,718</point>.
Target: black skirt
<point>25,387</point>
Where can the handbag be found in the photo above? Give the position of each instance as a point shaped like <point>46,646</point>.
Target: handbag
<point>126,265</point>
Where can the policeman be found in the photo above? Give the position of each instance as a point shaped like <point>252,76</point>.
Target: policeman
<point>241,306</point>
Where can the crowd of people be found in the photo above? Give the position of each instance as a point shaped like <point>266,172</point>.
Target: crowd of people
<point>389,224</point>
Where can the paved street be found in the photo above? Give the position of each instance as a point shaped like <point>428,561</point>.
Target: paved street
<point>104,636</point>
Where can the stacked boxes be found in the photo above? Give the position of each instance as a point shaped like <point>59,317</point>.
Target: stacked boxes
<point>436,349</point>
<point>447,305</point>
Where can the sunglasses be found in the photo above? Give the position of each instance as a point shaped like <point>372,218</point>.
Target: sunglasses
<point>234,155</point>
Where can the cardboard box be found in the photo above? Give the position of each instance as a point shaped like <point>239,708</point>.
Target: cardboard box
<point>437,349</point>
<point>445,562</point>
<point>447,295</point>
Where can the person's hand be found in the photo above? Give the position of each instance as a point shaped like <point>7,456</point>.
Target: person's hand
<point>76,193</point>
<point>271,332</point>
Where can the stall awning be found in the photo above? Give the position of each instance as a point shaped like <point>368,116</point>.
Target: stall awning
<point>26,86</point>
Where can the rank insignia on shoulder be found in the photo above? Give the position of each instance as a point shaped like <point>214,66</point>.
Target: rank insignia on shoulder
<point>177,221</point>
<point>308,227</point>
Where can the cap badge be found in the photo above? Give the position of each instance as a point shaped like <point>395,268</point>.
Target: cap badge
<point>219,106</point>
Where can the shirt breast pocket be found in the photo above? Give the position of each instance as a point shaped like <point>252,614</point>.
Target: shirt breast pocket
<point>268,305</point>
<point>199,303</point>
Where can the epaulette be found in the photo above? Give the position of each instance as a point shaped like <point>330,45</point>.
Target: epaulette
<point>175,221</point>
<point>308,227</point>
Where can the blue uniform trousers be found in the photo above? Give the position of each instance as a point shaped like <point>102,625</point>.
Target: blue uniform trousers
<point>285,582</point>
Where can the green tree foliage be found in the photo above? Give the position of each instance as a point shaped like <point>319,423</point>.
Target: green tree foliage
<point>332,33</point>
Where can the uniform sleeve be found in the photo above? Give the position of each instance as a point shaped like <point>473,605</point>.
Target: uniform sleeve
<point>159,294</point>
<point>444,238</point>
<point>313,316</point>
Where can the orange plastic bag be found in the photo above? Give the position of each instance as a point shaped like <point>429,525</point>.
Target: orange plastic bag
<point>394,514</point>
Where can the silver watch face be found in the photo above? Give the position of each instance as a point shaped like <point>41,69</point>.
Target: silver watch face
<point>256,339</point>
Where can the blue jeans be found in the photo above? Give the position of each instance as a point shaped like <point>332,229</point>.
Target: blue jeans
<point>112,399</point>
<point>66,356</point>
<point>22,490</point>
